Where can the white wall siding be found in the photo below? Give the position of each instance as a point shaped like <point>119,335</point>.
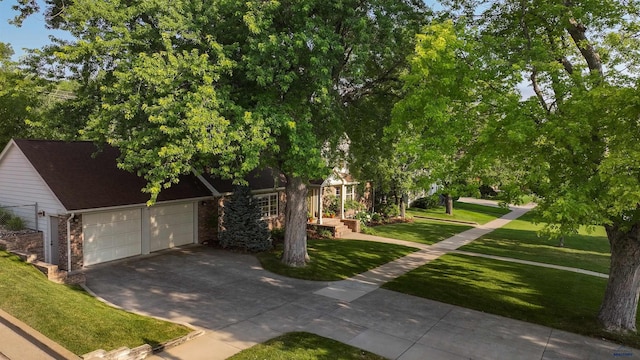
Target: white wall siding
<point>20,184</point>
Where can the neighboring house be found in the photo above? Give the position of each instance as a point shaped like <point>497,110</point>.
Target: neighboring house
<point>89,211</point>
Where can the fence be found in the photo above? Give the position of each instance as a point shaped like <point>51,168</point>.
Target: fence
<point>18,217</point>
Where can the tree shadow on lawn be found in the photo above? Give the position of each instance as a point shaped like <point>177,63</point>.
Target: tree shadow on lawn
<point>424,232</point>
<point>549,297</point>
<point>589,252</point>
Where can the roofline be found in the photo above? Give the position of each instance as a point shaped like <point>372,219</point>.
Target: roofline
<point>131,206</point>
<point>207,184</point>
<point>6,150</point>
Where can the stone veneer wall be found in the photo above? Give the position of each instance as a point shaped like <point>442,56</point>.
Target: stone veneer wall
<point>26,242</point>
<point>76,243</point>
<point>207,221</point>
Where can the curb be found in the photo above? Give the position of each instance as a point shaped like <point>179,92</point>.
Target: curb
<point>42,342</point>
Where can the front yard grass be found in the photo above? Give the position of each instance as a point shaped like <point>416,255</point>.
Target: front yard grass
<point>420,231</point>
<point>336,259</point>
<point>72,317</point>
<point>520,240</point>
<point>555,298</point>
<point>303,346</point>
<point>479,214</point>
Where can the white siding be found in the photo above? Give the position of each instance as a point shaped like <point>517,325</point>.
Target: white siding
<point>20,184</point>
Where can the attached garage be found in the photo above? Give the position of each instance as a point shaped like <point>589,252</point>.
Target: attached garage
<point>91,211</point>
<point>171,225</point>
<point>111,235</point>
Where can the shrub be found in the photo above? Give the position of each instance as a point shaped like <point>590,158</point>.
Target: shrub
<point>487,192</point>
<point>427,202</point>
<point>325,233</point>
<point>277,235</point>
<point>15,224</point>
<point>390,210</point>
<point>364,217</point>
<point>366,230</point>
<point>353,205</point>
<point>375,217</point>
<point>5,216</point>
<point>243,224</point>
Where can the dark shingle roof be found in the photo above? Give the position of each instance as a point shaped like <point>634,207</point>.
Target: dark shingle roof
<point>83,177</point>
<point>259,179</point>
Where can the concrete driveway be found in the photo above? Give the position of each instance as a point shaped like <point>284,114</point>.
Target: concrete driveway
<point>240,304</point>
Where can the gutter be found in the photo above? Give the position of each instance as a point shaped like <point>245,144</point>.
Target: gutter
<point>69,241</point>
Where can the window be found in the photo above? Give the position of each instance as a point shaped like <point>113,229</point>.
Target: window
<point>268,204</point>
<point>349,192</point>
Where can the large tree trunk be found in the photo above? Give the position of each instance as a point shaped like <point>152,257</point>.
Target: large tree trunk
<point>618,310</point>
<point>448,204</point>
<point>403,207</point>
<point>295,233</point>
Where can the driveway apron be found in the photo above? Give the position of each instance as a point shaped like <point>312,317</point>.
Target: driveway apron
<point>239,304</point>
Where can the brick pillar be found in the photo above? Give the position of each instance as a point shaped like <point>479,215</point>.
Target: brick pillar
<point>77,257</point>
<point>207,221</point>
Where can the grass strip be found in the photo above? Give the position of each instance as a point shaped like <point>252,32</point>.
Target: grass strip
<point>304,346</point>
<point>336,259</point>
<point>70,316</point>
<point>555,298</point>
<point>520,239</point>
<point>480,214</point>
<point>420,231</point>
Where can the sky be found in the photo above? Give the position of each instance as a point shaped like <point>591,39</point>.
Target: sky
<point>33,33</point>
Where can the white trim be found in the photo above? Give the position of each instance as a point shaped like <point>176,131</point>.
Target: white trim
<point>207,184</point>
<point>124,207</point>
<point>270,205</point>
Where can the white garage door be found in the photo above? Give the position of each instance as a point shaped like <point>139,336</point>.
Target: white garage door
<point>170,225</point>
<point>111,235</point>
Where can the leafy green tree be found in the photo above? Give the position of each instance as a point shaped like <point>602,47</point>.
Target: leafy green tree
<point>432,122</point>
<point>576,140</point>
<point>227,86</point>
<point>243,224</point>
<point>21,95</point>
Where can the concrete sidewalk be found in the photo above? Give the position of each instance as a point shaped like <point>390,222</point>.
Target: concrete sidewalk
<point>18,341</point>
<point>353,288</point>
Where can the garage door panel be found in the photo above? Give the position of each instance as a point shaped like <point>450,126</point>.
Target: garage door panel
<point>171,225</point>
<point>111,236</point>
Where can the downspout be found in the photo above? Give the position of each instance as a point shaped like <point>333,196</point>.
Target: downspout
<point>69,241</point>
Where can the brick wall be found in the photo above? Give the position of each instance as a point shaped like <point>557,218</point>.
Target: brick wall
<point>26,242</point>
<point>207,221</point>
<point>76,243</point>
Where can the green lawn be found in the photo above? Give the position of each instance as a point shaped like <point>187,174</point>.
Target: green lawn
<point>420,231</point>
<point>70,316</point>
<point>336,259</point>
<point>462,212</point>
<point>519,239</point>
<point>304,346</point>
<point>555,298</point>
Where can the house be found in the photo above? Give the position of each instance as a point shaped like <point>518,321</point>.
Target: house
<point>89,211</point>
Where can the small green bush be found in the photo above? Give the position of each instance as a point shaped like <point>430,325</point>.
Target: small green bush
<point>277,235</point>
<point>390,211</point>
<point>353,205</point>
<point>325,233</point>
<point>15,224</point>
<point>363,216</point>
<point>427,202</point>
<point>366,230</point>
<point>375,217</point>
<point>5,216</point>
